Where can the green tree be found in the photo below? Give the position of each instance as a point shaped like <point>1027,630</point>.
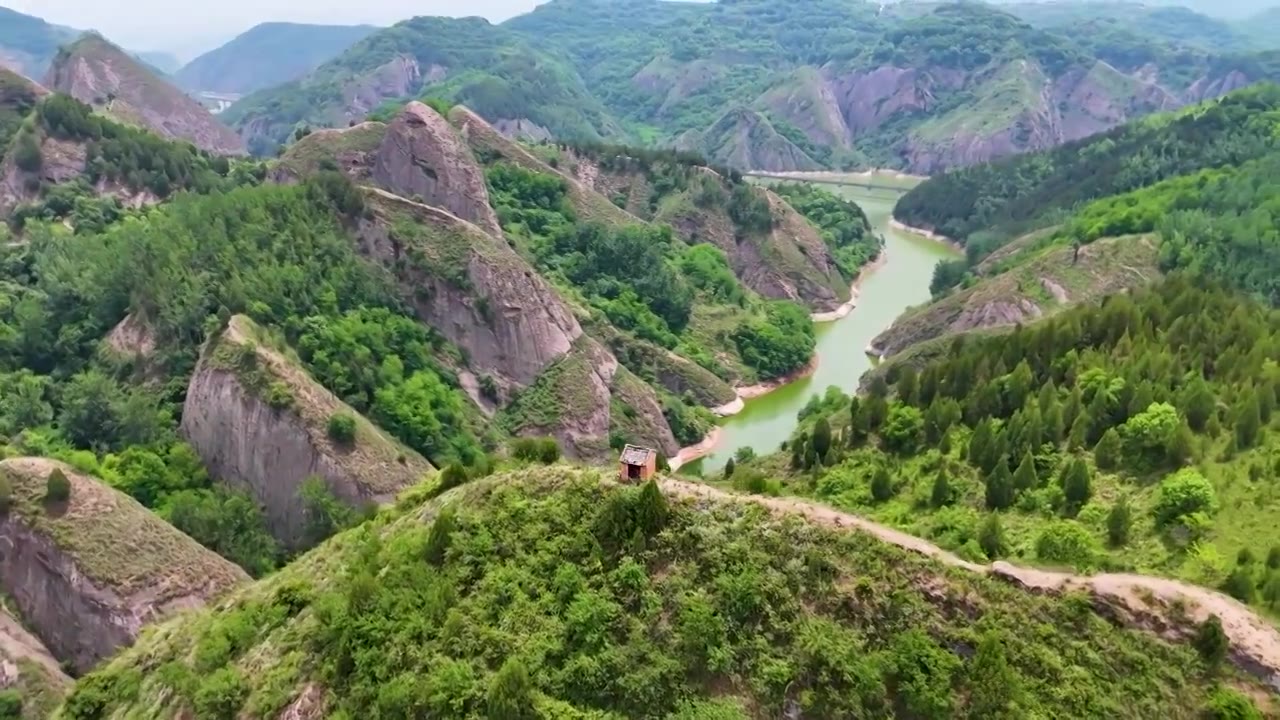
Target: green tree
<point>994,687</point>
<point>991,537</point>
<point>1119,522</point>
<point>1106,454</point>
<point>1182,494</point>
<point>57,487</point>
<point>858,425</point>
<point>511,693</point>
<point>26,153</point>
<point>1271,588</point>
<point>881,485</point>
<point>821,440</point>
<point>1077,485</point>
<point>1240,584</point>
<point>728,469</point>
<point>941,495</point>
<point>1211,642</point>
<point>1248,421</point>
<point>902,429</point>
<point>1066,542</point>
<point>1227,704</point>
<point>1181,448</point>
<point>651,509</point>
<point>1198,403</point>
<point>6,494</point>
<point>1024,478</point>
<point>922,673</point>
<point>90,410</point>
<point>1000,490</point>
<point>324,513</point>
<point>1273,557</point>
<point>980,447</point>
<point>453,475</point>
<point>440,536</point>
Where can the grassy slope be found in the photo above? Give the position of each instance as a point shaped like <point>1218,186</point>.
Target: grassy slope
<point>114,540</point>
<point>726,602</point>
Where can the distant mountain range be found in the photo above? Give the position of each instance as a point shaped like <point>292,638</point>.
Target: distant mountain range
<point>751,84</point>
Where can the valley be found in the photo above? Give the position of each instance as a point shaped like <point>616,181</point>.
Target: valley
<point>894,284</point>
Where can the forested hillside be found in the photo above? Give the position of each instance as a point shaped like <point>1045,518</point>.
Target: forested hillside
<point>1134,435</point>
<point>633,605</point>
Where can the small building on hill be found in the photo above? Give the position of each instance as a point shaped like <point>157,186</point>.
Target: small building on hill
<point>637,464</point>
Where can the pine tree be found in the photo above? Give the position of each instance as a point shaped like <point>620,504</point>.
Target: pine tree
<point>1076,485</point>
<point>1273,557</point>
<point>881,485</point>
<point>1211,642</point>
<point>1098,413</point>
<point>511,693</point>
<point>1198,404</point>
<point>651,509</point>
<point>1106,454</point>
<point>980,446</point>
<point>728,469</point>
<point>941,495</point>
<point>1079,434</point>
<point>1072,410</point>
<point>1239,585</point>
<point>1181,448</point>
<point>1052,423</point>
<point>857,423</point>
<point>877,410</point>
<point>1024,478</point>
<point>1248,421</point>
<point>1048,395</point>
<point>999,487</point>
<point>994,688</point>
<point>1119,520</point>
<point>821,437</point>
<point>991,537</point>
<point>908,385</point>
<point>1271,589</point>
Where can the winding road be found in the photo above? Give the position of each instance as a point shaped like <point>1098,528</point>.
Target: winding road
<point>1140,601</point>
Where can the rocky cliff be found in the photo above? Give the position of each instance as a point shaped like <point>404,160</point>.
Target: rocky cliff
<point>259,422</point>
<point>421,157</point>
<point>87,574</point>
<point>29,668</point>
<point>471,287</point>
<point>100,74</point>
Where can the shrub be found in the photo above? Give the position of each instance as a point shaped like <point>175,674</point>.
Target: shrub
<point>543,450</point>
<point>6,494</point>
<point>1182,494</point>
<point>1066,542</point>
<point>342,428</point>
<point>440,536</point>
<point>1227,704</point>
<point>511,693</point>
<point>220,695</point>
<point>451,477</point>
<point>10,705</point>
<point>1211,642</point>
<point>58,487</point>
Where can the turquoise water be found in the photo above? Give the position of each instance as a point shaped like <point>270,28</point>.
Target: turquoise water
<point>901,282</point>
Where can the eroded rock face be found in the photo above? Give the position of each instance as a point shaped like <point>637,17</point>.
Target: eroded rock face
<point>422,157</point>
<point>62,161</point>
<point>270,451</point>
<point>86,577</point>
<point>472,287</point>
<point>397,78</point>
<point>98,73</point>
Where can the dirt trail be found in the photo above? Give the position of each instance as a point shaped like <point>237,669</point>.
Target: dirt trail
<point>1137,600</point>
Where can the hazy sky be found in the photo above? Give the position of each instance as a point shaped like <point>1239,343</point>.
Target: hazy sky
<point>189,27</point>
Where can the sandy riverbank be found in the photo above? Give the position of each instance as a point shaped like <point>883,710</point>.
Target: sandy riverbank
<point>936,237</point>
<point>855,290</point>
<point>693,452</point>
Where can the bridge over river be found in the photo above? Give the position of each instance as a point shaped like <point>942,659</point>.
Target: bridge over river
<point>878,181</point>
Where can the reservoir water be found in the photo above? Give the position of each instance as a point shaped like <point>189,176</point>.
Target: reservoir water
<point>898,284</point>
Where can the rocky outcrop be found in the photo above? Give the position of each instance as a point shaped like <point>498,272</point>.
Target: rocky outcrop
<point>1215,85</point>
<point>421,157</point>
<point>472,287</point>
<point>259,423</point>
<point>523,129</point>
<point>62,161</point>
<point>586,395</point>
<point>809,103</point>
<point>352,150</point>
<point>100,74</point>
<point>870,98</point>
<point>397,78</point>
<point>87,574</point>
<point>28,667</point>
<point>744,139</point>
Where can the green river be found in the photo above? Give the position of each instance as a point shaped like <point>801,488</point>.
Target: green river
<point>899,283</point>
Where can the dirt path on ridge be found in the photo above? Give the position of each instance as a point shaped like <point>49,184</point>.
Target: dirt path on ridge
<point>1140,600</point>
